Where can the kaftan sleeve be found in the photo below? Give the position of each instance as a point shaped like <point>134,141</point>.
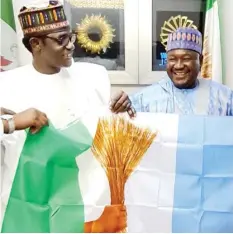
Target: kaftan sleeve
<point>102,85</point>
<point>150,99</point>
<point>230,105</point>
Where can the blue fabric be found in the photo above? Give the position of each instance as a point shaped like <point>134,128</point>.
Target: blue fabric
<point>203,201</point>
<point>160,97</point>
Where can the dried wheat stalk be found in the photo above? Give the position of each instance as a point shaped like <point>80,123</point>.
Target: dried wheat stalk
<point>119,146</point>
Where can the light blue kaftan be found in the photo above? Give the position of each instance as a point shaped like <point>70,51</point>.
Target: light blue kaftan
<point>207,98</point>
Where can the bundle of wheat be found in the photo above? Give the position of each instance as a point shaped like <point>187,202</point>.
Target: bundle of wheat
<point>119,146</point>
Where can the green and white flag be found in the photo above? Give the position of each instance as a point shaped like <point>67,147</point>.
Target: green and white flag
<point>107,173</point>
<point>48,160</point>
<point>8,37</point>
<point>212,60</point>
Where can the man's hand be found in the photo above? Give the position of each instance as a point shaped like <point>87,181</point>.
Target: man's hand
<point>112,220</point>
<point>31,118</point>
<point>5,111</point>
<point>121,103</point>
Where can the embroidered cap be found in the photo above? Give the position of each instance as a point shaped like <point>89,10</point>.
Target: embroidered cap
<point>37,21</point>
<point>185,38</point>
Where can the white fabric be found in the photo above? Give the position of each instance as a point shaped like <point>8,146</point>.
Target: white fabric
<point>63,97</point>
<point>213,43</point>
<point>155,200</point>
<point>71,92</point>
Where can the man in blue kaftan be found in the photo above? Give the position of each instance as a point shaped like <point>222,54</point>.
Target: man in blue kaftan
<point>182,91</point>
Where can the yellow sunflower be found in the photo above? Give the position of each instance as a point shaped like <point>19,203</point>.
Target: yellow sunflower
<point>99,26</point>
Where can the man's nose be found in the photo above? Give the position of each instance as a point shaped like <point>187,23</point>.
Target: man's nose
<point>70,46</point>
<point>179,64</point>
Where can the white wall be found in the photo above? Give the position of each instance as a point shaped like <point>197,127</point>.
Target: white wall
<point>226,9</point>
<point>226,14</point>
<point>25,56</point>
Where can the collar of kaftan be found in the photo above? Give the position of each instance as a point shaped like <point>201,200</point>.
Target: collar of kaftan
<point>168,85</point>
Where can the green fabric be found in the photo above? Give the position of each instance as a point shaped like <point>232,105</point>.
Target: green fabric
<point>45,195</point>
<point>210,4</point>
<point>7,13</point>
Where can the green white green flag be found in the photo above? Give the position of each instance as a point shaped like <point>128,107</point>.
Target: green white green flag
<point>110,174</point>
<point>212,60</point>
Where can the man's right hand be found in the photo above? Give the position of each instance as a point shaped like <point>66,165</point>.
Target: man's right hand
<point>30,118</point>
<point>112,220</point>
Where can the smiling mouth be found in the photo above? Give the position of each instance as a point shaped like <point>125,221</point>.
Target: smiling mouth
<point>180,74</point>
<point>68,56</point>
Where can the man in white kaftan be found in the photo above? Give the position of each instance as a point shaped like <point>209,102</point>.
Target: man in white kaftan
<point>53,83</point>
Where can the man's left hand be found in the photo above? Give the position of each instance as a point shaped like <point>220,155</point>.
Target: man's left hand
<point>121,103</point>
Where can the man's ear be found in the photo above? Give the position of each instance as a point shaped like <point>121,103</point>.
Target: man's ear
<point>201,59</point>
<point>35,44</point>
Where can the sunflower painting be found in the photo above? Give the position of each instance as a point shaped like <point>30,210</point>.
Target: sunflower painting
<point>100,25</point>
